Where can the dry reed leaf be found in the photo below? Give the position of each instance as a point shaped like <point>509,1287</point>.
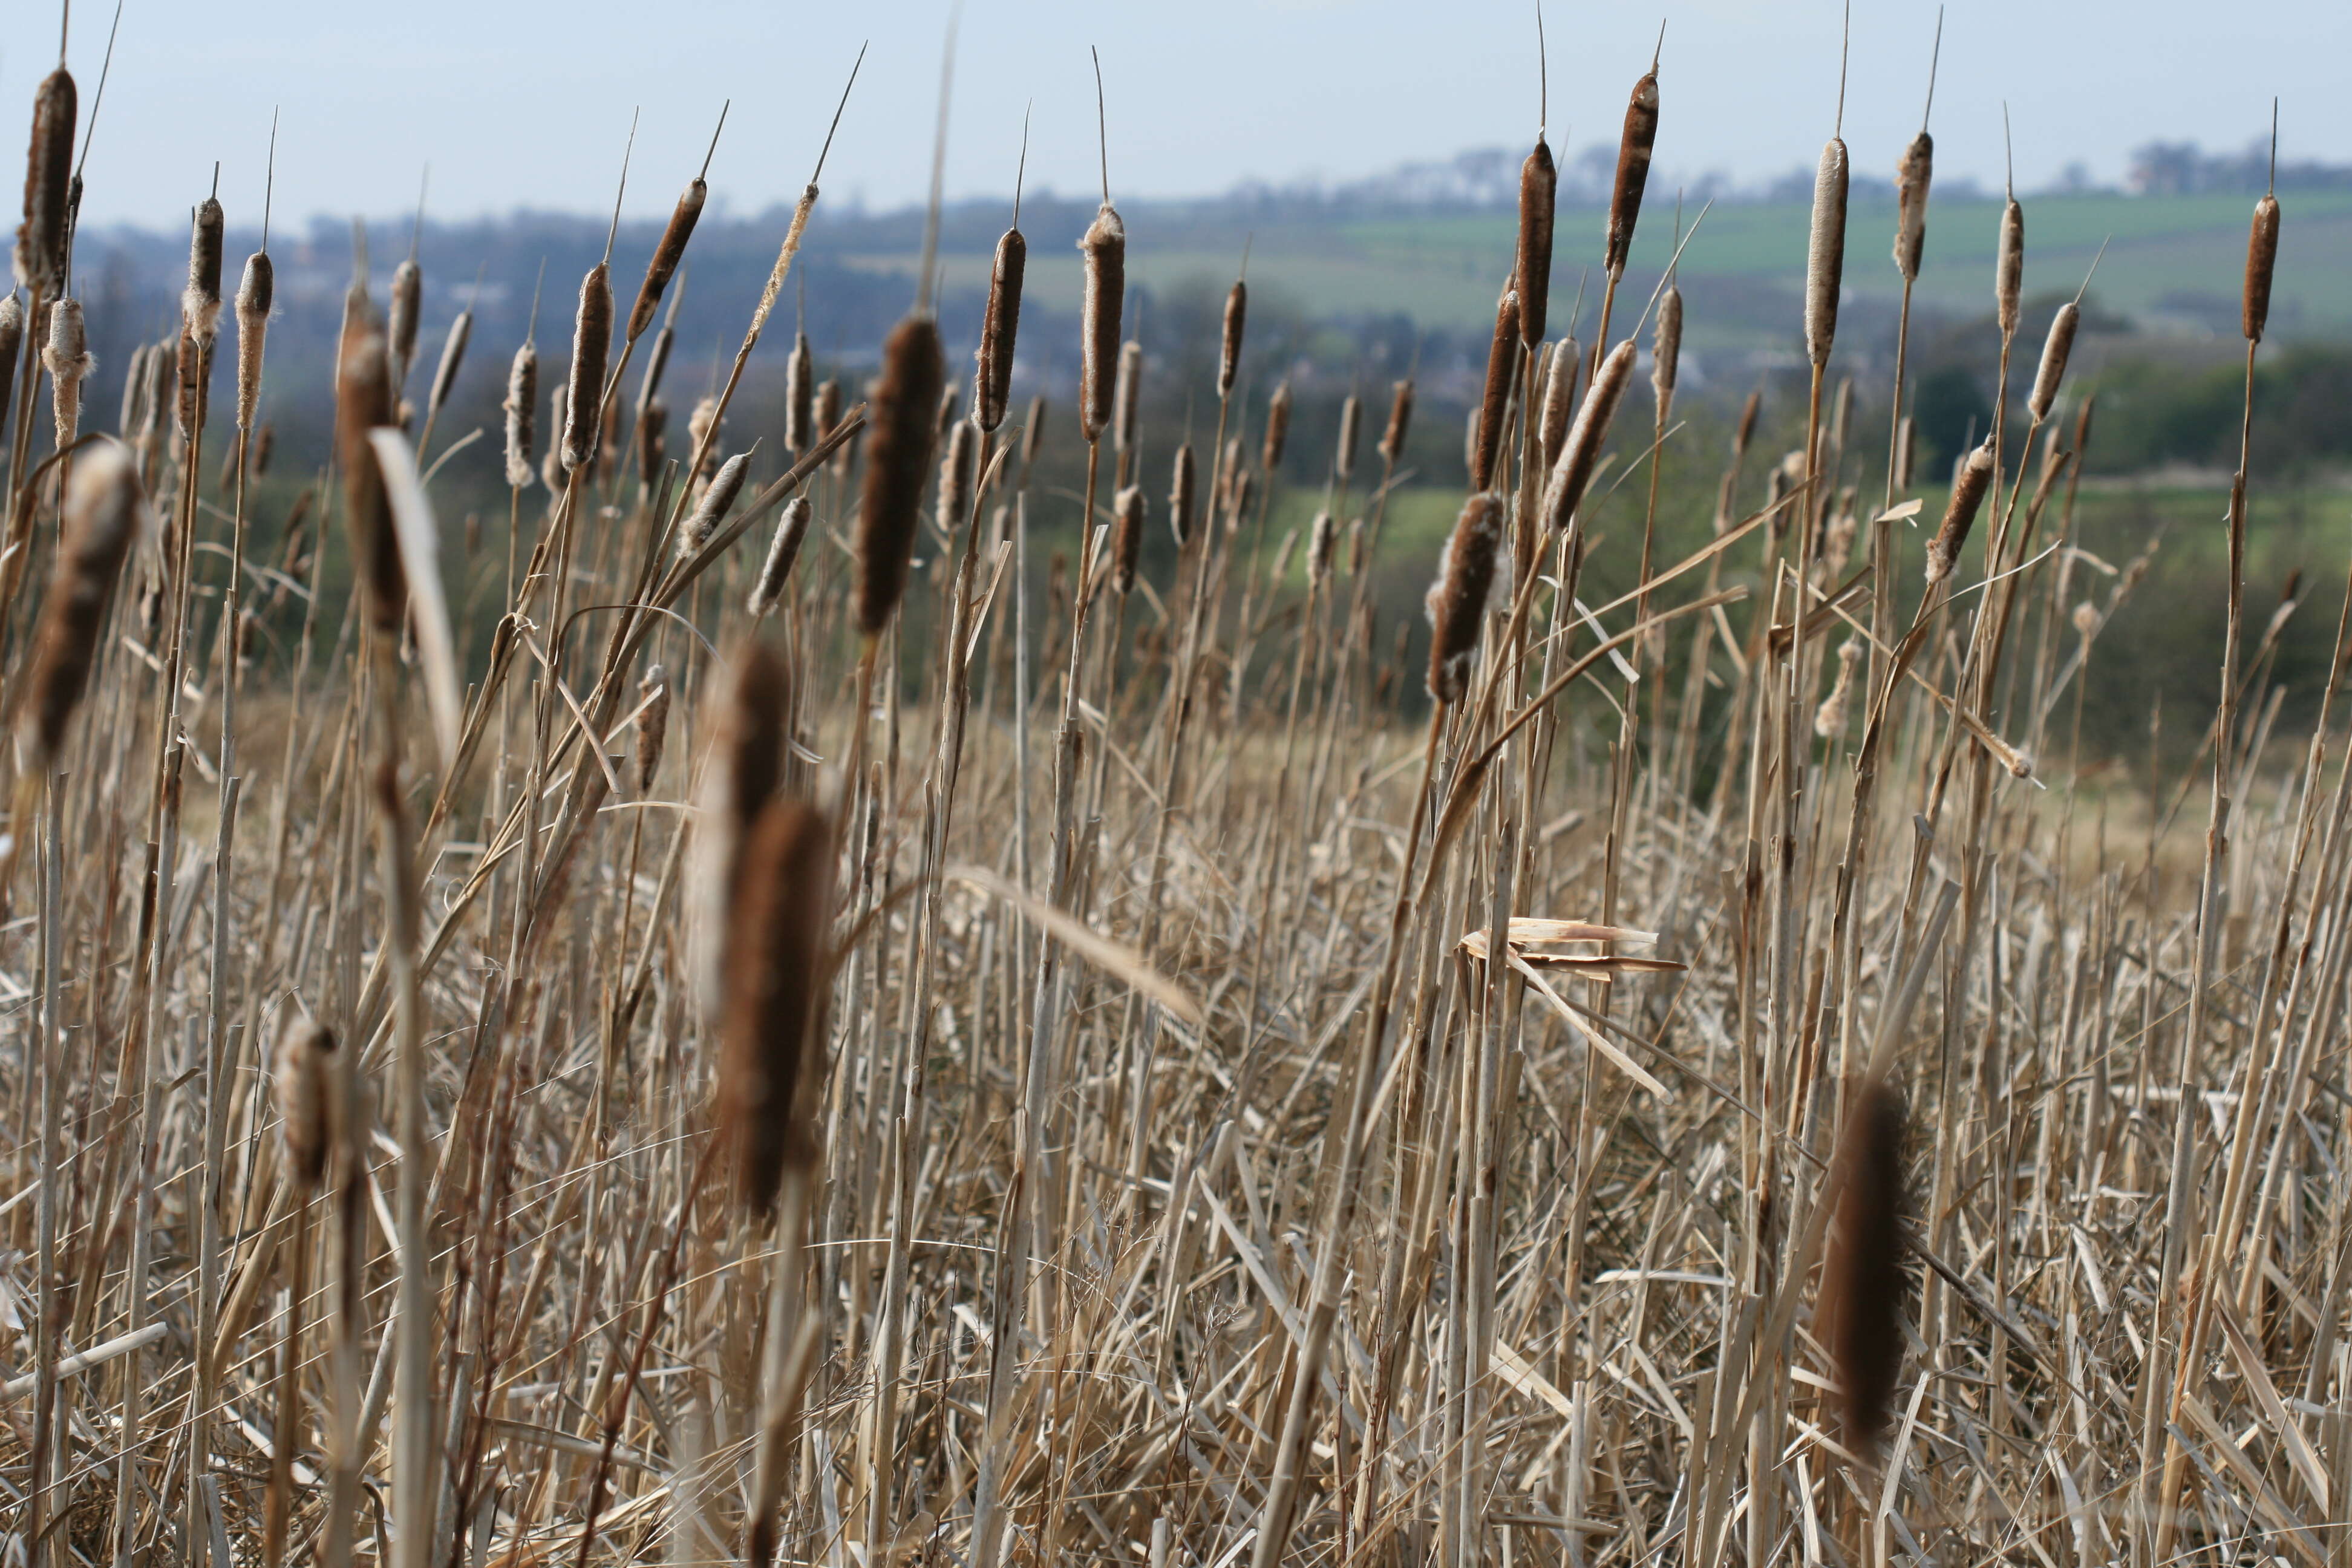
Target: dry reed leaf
<point>1115,959</point>
<point>428,608</point>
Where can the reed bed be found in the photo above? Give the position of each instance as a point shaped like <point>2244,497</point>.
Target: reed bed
<point>793,1047</point>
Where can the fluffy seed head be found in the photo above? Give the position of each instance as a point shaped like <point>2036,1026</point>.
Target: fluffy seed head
<point>1392,448</point>
<point>711,510</point>
<point>800,397</point>
<point>2009,267</point>
<point>1961,512</point>
<point>453,355</point>
<point>305,1094</point>
<point>1581,454</point>
<point>667,256</point>
<point>1862,1279</point>
<point>2086,619</point>
<point>1667,350</point>
<point>364,402</point>
<point>1913,172</point>
<point>1000,327</point>
<point>255,292</point>
<point>783,551</point>
<point>1128,512</point>
<point>1559,395</point>
<point>959,472</point>
<point>1829,718</point>
<point>1104,245</point>
<point>1322,544</point>
<point>1351,426</point>
<point>1277,428</point>
<point>701,426</point>
<point>592,340</point>
<point>12,343</point>
<point>1494,400</point>
<point>1126,406</point>
<point>2054,350</point>
<point>1746,432</point>
<point>521,410</point>
<point>653,725</point>
<point>1229,346</point>
<point>1633,149</point>
<point>68,359</point>
<point>41,255</point>
<point>1825,252</point>
<point>2262,260</point>
<point>898,439</point>
<point>774,976</point>
<point>200,304</point>
<point>1457,599</point>
<point>1182,506</point>
<point>1531,265</point>
<point>102,507</point>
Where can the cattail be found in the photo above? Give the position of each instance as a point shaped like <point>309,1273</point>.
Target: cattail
<point>1277,428</point>
<point>1837,542</point>
<point>1322,544</point>
<point>305,1062</point>
<point>2262,260</point>
<point>1351,425</point>
<point>1355,545</point>
<point>1033,432</point>
<point>957,473</point>
<point>1841,412</point>
<point>256,291</point>
<point>711,510</point>
<point>40,257</point>
<point>776,930</point>
<point>1128,513</point>
<point>791,528</point>
<point>898,459</point>
<point>657,365</point>
<point>1863,1283</point>
<point>667,256</point>
<point>2087,619</point>
<point>1559,395</point>
<point>1105,245</point>
<point>1959,513</point>
<point>1281,554</point>
<point>992,382</point>
<point>200,304</point>
<point>591,339</point>
<point>69,364</point>
<point>2081,424</point>
<point>1392,448</point>
<point>653,426</point>
<point>1829,718</point>
<point>1457,599</point>
<point>1238,499</point>
<point>1912,174</point>
<point>1634,148</point>
<point>1127,402</point>
<point>1493,402</point>
<point>12,343</point>
<point>702,437</point>
<point>1906,449</point>
<point>363,403</point>
<point>800,397</point>
<point>162,384</point>
<point>1666,353</point>
<point>2054,350</point>
<point>947,406</point>
<point>191,364</point>
<point>102,507</point>
<point>1581,454</point>
<point>1180,485</point>
<point>653,725</point>
<point>1745,432</point>
<point>264,444</point>
<point>521,408</point>
<point>1825,253</point>
<point>747,769</point>
<point>402,319</point>
<point>1531,264</point>
<point>1229,347</point>
<point>453,355</point>
<point>2009,267</point>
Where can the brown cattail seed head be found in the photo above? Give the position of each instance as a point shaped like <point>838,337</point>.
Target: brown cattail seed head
<point>200,305</point>
<point>1841,414</point>
<point>1581,454</point>
<point>1126,406</point>
<point>1182,484</point>
<point>898,460</point>
<point>783,551</point>
<point>255,292</point>
<point>1825,253</point>
<point>774,980</point>
<point>264,443</point>
<point>2262,260</point>
<point>1322,544</point>
<point>1746,432</point>
<point>992,382</point>
<point>1238,499</point>
<point>1229,346</point>
<point>2009,267</point>
<point>1457,599</point>
<point>1559,396</point>
<point>1666,353</point>
<point>592,340</point>
<point>363,403</point>
<point>1959,513</point>
<point>1863,1281</point>
<point>401,321</point>
<point>653,725</point>
<point>1633,149</point>
<point>800,397</point>
<point>1128,513</point>
<point>711,510</point>
<point>702,437</point>
<point>2054,350</point>
<point>1912,174</point>
<point>306,1096</point>
<point>12,343</point>
<point>1531,265</point>
<point>66,357</point>
<point>959,472</point>
<point>667,256</point>
<point>1105,247</point>
<point>1277,428</point>
<point>48,173</point>
<point>1351,425</point>
<point>1033,431</point>
<point>1392,448</point>
<point>947,409</point>
<point>1494,401</point>
<point>747,770</point>
<point>521,409</point>
<point>453,355</point>
<point>102,506</point>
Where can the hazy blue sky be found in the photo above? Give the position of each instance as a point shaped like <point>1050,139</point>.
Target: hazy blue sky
<point>518,102</point>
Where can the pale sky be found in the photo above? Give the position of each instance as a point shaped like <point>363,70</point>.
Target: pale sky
<point>526,102</point>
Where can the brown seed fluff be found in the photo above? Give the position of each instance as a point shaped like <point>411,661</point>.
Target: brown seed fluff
<point>1634,148</point>
<point>957,474</point>
<point>453,355</point>
<point>653,725</point>
<point>255,292</point>
<point>68,359</point>
<point>200,304</point>
<point>592,340</point>
<point>653,424</point>
<point>898,439</point>
<point>402,319</point>
<point>1559,396</point>
<point>1181,487</point>
<point>1531,265</point>
<point>1457,600</point>
<point>364,402</point>
<point>306,1053</point>
<point>1746,433</point>
<point>1352,427</point>
<point>2262,260</point>
<point>1961,512</point>
<point>1666,352</point>
<point>711,510</point>
<point>1580,455</point>
<point>1322,546</point>
<point>1126,400</point>
<point>40,257</point>
<point>783,551</point>
<point>1229,347</point>
<point>1392,448</point>
<point>774,975</point>
<point>1862,1279</point>
<point>667,256</point>
<point>1033,432</point>
<point>1277,428</point>
<point>1913,173</point>
<point>1000,328</point>
<point>2009,267</point>
<point>1825,253</point>
<point>1105,247</point>
<point>2054,350</point>
<point>102,507</point>
<point>1493,402</point>
<point>1128,511</point>
<point>521,410</point>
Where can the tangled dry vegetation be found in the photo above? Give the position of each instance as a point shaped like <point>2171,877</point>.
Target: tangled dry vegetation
<point>726,1075</point>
